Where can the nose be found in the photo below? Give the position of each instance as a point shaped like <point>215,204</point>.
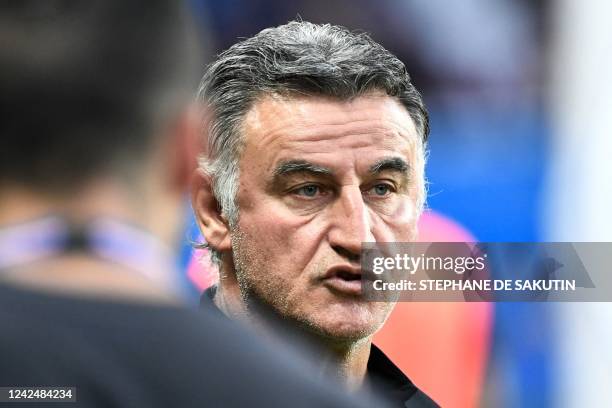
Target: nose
<point>350,224</point>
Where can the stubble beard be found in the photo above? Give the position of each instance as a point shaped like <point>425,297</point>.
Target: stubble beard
<point>248,264</point>
<point>269,296</point>
<point>261,296</point>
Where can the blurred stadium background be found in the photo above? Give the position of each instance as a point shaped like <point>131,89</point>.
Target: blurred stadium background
<point>520,97</point>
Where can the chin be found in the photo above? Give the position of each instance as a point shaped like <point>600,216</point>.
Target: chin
<point>345,326</point>
<point>344,334</point>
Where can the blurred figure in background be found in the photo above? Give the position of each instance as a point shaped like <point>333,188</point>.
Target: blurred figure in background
<point>98,144</point>
<point>316,144</point>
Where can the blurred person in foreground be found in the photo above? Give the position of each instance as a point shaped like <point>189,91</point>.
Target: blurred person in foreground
<point>98,145</point>
<point>316,143</point>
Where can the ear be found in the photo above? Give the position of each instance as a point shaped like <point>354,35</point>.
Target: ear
<point>207,212</point>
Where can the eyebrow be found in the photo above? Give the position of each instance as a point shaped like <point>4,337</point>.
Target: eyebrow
<point>300,166</point>
<point>392,163</point>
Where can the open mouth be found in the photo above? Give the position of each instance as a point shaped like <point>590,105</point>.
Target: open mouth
<point>344,279</point>
<point>348,276</point>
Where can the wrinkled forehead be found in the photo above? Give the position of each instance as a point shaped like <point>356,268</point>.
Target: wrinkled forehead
<point>326,129</point>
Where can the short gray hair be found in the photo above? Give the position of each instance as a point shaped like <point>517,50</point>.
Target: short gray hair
<point>296,58</point>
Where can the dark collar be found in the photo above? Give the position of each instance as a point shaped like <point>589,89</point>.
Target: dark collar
<point>207,300</point>
<point>386,378</point>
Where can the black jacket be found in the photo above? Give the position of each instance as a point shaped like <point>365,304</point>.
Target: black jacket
<point>387,380</point>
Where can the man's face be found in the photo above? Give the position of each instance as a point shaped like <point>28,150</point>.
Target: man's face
<point>318,177</point>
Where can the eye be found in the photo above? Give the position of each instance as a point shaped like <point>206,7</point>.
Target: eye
<point>309,190</point>
<point>381,190</point>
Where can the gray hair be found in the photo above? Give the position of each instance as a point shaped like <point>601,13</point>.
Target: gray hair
<point>295,58</point>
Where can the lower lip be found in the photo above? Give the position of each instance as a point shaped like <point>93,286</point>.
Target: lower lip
<point>343,286</point>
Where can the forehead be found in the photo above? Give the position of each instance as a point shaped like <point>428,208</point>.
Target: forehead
<point>322,129</point>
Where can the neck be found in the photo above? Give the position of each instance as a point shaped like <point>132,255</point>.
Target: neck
<point>347,361</point>
<point>81,274</point>
<point>229,300</point>
<point>344,360</point>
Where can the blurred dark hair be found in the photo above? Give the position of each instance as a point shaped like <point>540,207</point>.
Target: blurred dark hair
<point>86,85</point>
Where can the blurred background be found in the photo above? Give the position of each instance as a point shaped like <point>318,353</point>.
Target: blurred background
<point>520,98</point>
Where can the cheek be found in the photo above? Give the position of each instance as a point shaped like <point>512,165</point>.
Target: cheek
<point>398,225</point>
<point>286,241</point>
